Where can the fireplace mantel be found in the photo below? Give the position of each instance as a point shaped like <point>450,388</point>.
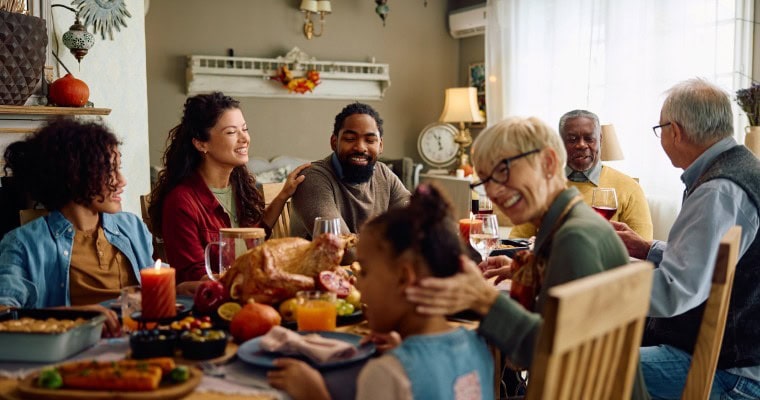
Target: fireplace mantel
<point>252,77</point>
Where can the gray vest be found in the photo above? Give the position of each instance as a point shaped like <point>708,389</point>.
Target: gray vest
<point>740,347</point>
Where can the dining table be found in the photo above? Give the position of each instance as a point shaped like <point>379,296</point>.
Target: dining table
<point>241,381</point>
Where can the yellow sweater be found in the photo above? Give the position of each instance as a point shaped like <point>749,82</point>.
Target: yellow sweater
<point>633,208</point>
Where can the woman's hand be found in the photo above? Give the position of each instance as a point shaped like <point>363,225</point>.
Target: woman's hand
<point>383,341</point>
<point>498,266</point>
<point>188,288</point>
<point>298,379</point>
<point>463,291</point>
<point>291,183</point>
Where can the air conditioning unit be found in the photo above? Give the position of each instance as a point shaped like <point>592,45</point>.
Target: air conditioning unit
<point>467,22</point>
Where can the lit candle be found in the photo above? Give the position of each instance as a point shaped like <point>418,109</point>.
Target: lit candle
<point>464,228</point>
<point>159,296</point>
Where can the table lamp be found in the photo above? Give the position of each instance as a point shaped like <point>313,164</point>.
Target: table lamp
<point>461,106</point>
<point>611,150</point>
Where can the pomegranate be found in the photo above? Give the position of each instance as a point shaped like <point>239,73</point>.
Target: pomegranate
<point>69,92</point>
<point>255,319</point>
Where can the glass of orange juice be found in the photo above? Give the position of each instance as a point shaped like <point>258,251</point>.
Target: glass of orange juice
<point>131,302</point>
<point>316,310</point>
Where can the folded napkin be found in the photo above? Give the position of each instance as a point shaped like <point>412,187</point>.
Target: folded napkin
<point>317,348</point>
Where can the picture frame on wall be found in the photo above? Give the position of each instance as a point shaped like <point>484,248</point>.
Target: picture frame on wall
<point>477,79</point>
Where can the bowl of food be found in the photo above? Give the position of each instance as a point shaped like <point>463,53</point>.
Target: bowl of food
<point>197,344</point>
<point>153,343</point>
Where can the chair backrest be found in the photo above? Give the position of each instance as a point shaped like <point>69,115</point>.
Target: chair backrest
<point>710,336</point>
<point>588,346</point>
<point>30,214</point>
<point>406,169</point>
<point>159,250</point>
<point>282,226</point>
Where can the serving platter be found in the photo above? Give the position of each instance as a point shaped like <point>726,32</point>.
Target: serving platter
<point>251,352</point>
<point>28,389</point>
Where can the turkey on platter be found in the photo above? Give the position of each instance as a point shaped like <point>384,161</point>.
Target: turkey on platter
<point>277,269</point>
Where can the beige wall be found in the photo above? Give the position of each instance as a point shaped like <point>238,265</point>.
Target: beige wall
<point>471,50</point>
<point>423,62</point>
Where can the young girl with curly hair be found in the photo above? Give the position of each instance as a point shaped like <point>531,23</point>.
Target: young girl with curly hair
<point>433,360</point>
<point>205,184</point>
<point>85,250</point>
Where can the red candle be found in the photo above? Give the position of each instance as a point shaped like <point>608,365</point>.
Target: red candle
<point>464,227</point>
<point>159,295</point>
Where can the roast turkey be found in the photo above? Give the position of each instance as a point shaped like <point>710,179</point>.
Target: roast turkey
<point>276,270</point>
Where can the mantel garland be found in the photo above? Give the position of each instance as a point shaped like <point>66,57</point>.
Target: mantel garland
<point>307,83</point>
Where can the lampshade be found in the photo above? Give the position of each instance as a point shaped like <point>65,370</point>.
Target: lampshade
<point>324,6</point>
<point>611,150</point>
<point>309,5</point>
<point>461,105</point>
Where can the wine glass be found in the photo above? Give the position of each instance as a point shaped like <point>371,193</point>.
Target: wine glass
<point>485,206</point>
<point>484,234</point>
<point>324,225</point>
<point>604,202</point>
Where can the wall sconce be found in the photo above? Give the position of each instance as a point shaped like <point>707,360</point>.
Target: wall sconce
<point>310,7</point>
<point>461,105</point>
<point>77,39</point>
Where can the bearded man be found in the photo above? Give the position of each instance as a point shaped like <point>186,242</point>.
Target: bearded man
<point>349,183</point>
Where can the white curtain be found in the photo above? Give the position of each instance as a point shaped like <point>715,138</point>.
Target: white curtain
<point>615,58</point>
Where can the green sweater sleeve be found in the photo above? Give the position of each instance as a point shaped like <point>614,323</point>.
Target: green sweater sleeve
<point>511,328</point>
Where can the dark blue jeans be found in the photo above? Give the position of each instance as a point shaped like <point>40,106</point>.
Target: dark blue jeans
<point>665,369</point>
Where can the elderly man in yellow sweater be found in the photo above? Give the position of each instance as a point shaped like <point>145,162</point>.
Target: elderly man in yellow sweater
<point>582,135</point>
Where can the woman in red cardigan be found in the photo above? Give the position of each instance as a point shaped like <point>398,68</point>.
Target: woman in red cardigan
<point>205,184</point>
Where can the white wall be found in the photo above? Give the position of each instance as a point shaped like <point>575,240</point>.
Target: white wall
<point>115,72</point>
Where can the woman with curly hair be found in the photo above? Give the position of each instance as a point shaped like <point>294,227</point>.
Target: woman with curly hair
<point>85,250</point>
<point>205,184</point>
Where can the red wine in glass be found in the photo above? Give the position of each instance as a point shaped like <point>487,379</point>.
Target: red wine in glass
<point>604,202</point>
<point>606,212</point>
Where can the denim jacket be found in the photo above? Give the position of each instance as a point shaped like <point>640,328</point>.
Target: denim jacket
<point>35,258</point>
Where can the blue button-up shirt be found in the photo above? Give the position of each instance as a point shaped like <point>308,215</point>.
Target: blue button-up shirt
<point>35,258</point>
<point>686,262</point>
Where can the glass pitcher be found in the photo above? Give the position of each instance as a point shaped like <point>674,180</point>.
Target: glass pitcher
<point>233,242</point>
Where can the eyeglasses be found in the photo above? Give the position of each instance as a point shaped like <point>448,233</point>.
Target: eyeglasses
<point>500,173</point>
<point>657,129</point>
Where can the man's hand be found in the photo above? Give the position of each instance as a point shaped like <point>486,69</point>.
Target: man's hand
<point>636,245</point>
<point>298,379</point>
<point>463,291</point>
<point>111,327</point>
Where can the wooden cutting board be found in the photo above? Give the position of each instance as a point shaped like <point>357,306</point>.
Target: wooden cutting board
<point>166,391</point>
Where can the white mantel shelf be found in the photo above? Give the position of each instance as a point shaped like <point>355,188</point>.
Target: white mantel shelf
<point>25,119</point>
<point>251,77</point>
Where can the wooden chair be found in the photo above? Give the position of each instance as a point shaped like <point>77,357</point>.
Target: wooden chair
<point>707,348</point>
<point>588,346</point>
<point>159,251</point>
<point>30,214</point>
<point>282,226</point>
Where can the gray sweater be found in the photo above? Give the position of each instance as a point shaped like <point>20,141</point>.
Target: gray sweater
<point>323,194</point>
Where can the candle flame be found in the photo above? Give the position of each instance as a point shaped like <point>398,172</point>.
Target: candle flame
<point>157,265</point>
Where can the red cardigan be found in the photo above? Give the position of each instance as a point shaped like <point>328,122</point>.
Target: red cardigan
<point>191,218</point>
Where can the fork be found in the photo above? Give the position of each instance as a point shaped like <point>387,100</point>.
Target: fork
<point>211,369</point>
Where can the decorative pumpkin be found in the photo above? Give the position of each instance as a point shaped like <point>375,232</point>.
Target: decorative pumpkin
<point>69,92</point>
<point>253,320</point>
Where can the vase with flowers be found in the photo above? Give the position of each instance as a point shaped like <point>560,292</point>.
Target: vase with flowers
<point>749,101</point>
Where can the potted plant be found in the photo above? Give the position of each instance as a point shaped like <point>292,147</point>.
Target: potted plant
<point>23,40</point>
<point>749,101</point>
